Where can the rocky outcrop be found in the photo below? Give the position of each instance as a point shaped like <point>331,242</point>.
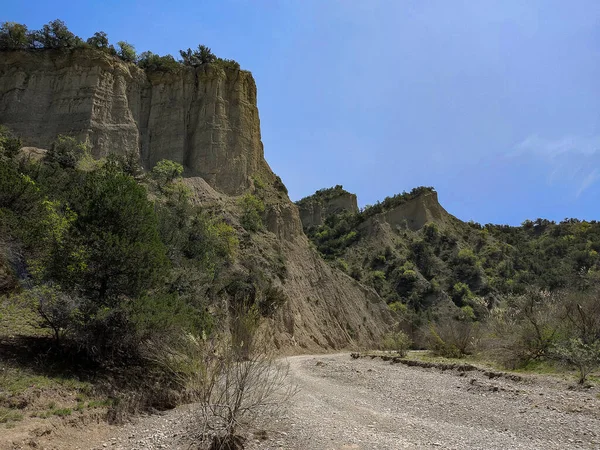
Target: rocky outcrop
<point>204,118</point>
<point>316,208</point>
<point>413,214</point>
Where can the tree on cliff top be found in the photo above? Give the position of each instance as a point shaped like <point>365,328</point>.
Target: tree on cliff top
<point>203,55</point>
<point>13,36</point>
<point>54,35</point>
<point>126,51</point>
<point>99,40</point>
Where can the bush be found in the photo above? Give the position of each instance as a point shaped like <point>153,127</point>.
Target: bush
<point>155,63</point>
<point>585,357</point>
<point>398,342</point>
<point>252,210</point>
<point>13,36</point>
<point>54,35</point>
<point>10,145</point>
<point>453,338</point>
<point>525,327</point>
<point>203,55</point>
<point>66,151</point>
<point>58,310</point>
<point>99,40</point>
<point>166,171</point>
<point>126,52</point>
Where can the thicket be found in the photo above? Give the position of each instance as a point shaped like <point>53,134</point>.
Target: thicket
<point>56,35</point>
<point>133,279</point>
<point>103,265</point>
<point>463,287</point>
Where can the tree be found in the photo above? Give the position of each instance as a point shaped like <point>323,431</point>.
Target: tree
<point>153,62</point>
<point>126,51</point>
<point>585,357</point>
<point>58,310</point>
<point>113,248</point>
<point>10,144</point>
<point>99,40</point>
<point>56,35</point>
<point>397,341</point>
<point>165,171</point>
<point>67,151</point>
<point>252,210</point>
<point>203,55</point>
<point>13,36</point>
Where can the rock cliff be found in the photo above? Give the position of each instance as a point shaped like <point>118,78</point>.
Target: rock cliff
<point>413,214</point>
<point>204,118</point>
<point>326,202</point>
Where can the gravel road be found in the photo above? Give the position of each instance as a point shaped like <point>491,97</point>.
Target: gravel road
<point>371,404</point>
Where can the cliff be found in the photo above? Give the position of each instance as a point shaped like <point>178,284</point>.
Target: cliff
<point>204,118</point>
<point>326,202</point>
<point>413,214</point>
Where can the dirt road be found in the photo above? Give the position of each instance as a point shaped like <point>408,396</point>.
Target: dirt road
<point>371,404</point>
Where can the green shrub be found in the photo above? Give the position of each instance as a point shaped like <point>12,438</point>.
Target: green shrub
<point>67,151</point>
<point>585,357</point>
<point>202,55</point>
<point>54,35</point>
<point>166,171</point>
<point>397,341</point>
<point>126,52</point>
<point>155,63</point>
<point>252,210</point>
<point>99,40</point>
<point>13,36</point>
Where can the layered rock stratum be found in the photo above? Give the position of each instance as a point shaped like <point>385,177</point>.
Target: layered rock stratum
<point>206,119</point>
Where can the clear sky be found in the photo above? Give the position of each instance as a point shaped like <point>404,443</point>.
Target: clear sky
<point>494,103</point>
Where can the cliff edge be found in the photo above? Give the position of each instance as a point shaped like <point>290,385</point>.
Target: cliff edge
<point>205,118</point>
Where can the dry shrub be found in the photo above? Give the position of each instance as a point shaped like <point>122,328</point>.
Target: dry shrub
<point>397,341</point>
<point>235,380</point>
<point>453,338</point>
<point>525,327</point>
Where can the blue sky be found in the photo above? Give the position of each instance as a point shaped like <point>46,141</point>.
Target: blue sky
<point>494,103</point>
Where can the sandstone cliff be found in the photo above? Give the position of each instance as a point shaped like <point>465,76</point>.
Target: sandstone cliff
<point>413,214</point>
<point>205,119</point>
<point>326,202</point>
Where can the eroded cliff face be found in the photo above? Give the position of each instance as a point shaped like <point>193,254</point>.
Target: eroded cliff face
<point>413,214</point>
<point>204,118</point>
<point>314,213</point>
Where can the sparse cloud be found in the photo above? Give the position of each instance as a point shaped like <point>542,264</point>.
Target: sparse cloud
<point>556,147</point>
<point>590,179</point>
<point>572,159</point>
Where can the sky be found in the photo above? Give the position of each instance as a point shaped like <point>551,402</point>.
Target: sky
<point>496,104</point>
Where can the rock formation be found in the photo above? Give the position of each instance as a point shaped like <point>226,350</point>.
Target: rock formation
<point>206,119</point>
<point>324,203</point>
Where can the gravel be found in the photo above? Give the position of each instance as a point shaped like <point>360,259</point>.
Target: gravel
<point>371,404</point>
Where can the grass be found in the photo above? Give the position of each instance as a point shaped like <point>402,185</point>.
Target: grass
<point>15,381</point>
<point>8,415</point>
<point>538,367</point>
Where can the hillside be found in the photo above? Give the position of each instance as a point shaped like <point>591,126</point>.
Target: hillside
<point>206,119</point>
<point>416,255</point>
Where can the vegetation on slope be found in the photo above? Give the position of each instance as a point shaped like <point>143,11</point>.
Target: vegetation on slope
<point>111,272</point>
<point>454,283</point>
<point>56,36</point>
